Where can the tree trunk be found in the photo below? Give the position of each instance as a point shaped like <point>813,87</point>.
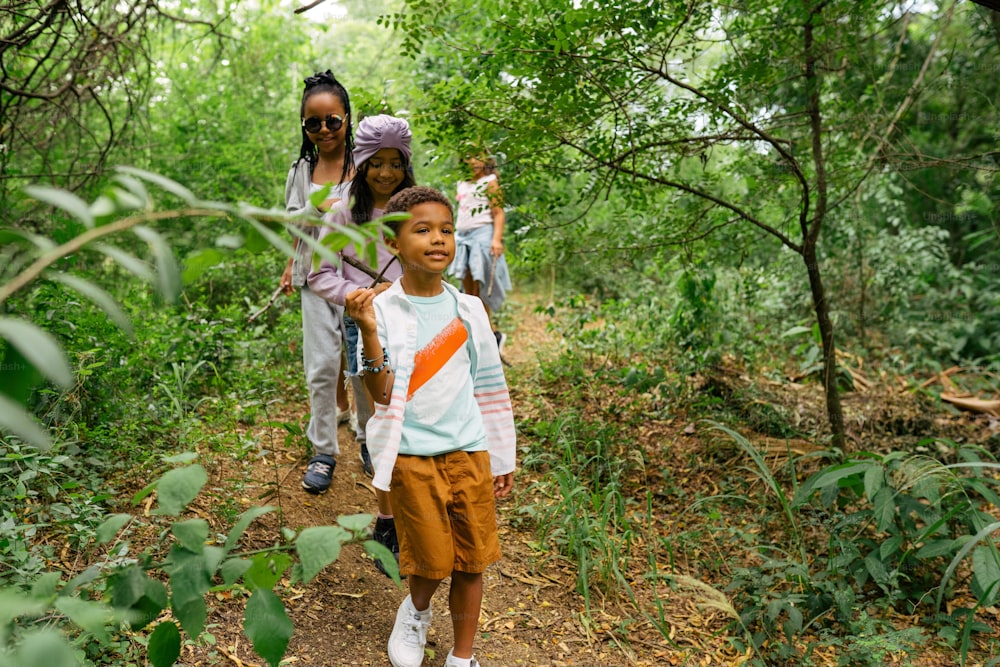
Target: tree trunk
<point>811,229</point>
<point>834,412</point>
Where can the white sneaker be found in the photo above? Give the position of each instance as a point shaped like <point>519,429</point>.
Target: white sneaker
<point>452,661</point>
<point>409,635</point>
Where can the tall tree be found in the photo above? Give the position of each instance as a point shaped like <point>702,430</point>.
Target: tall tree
<point>76,76</point>
<point>753,113</point>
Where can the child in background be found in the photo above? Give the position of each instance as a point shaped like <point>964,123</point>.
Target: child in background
<point>443,428</point>
<point>382,154</point>
<point>479,261</point>
<point>324,158</point>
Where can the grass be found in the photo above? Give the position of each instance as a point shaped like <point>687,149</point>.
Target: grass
<point>720,524</point>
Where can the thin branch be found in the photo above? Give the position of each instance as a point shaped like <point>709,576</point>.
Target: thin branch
<point>31,273</point>
<point>305,8</point>
<point>911,95</point>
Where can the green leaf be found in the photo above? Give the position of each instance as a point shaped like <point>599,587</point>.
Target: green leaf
<point>213,557</point>
<point>191,534</point>
<point>39,348</point>
<point>20,377</point>
<point>165,645</point>
<point>255,242</point>
<point>233,569</point>
<point>43,243</point>
<point>134,186</point>
<point>109,527</point>
<point>13,604</point>
<point>200,261</point>
<point>317,198</point>
<point>183,457</point>
<point>173,187</point>
<point>890,547</point>
<point>46,585</point>
<point>139,598</point>
<point>266,570</point>
<point>382,554</point>
<point>885,508</point>
<point>127,586</point>
<point>319,249</point>
<point>834,475</point>
<point>936,548</point>
<point>94,617</point>
<point>986,574</point>
<point>795,331</point>
<point>276,241</point>
<point>267,625</point>
<point>179,487</point>
<point>189,582</point>
<point>355,523</point>
<point>44,648</point>
<point>16,421</point>
<point>229,241</point>
<point>876,569</point>
<point>319,546</point>
<point>143,492</point>
<point>874,480</point>
<point>90,575</point>
<point>67,201</point>
<point>101,298</point>
<point>191,614</point>
<point>128,261</point>
<point>168,275</point>
<point>103,209</point>
<point>243,523</point>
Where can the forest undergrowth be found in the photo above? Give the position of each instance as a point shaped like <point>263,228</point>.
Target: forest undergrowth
<point>662,516</point>
<point>717,486</point>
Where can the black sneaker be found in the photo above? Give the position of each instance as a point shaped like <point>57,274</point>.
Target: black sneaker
<point>319,474</point>
<point>366,461</point>
<point>501,339</point>
<point>385,534</point>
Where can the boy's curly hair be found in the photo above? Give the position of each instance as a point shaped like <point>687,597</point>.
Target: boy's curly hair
<point>406,199</point>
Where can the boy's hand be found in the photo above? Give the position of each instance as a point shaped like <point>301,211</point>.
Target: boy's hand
<point>502,484</point>
<point>359,306</point>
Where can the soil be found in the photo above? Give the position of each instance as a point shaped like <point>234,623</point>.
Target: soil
<point>532,613</point>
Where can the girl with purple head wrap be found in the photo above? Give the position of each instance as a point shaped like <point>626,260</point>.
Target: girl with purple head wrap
<point>382,157</point>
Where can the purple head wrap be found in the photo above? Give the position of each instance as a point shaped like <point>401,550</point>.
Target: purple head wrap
<point>376,132</point>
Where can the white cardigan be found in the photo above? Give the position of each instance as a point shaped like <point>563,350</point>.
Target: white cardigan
<point>397,330</point>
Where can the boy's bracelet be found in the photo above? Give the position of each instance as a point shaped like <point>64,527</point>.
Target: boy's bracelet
<point>367,365</point>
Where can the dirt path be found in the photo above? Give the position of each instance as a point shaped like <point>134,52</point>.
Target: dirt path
<point>344,616</point>
<point>531,612</point>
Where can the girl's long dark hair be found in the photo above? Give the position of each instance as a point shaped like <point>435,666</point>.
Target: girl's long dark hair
<point>326,82</point>
<point>364,201</point>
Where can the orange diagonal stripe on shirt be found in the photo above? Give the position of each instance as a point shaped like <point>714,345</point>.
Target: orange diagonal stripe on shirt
<point>436,354</point>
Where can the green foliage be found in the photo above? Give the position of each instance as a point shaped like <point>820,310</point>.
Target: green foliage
<point>897,526</point>
<point>585,515</point>
<point>133,592</point>
<point>132,589</point>
<point>909,516</point>
<point>38,354</point>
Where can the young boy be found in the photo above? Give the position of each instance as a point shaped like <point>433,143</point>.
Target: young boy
<point>443,429</point>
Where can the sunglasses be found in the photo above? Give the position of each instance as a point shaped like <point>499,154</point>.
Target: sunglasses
<point>314,125</point>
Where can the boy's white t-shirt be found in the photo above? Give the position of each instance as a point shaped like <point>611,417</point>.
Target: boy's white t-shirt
<point>441,413</point>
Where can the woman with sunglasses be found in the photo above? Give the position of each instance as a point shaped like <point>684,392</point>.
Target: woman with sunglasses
<point>325,158</point>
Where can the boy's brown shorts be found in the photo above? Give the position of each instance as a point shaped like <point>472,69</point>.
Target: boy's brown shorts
<point>445,513</point>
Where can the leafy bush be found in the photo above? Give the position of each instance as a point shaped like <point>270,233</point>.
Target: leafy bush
<point>133,590</point>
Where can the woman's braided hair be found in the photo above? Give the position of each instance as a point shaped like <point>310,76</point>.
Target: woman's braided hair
<point>326,82</point>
